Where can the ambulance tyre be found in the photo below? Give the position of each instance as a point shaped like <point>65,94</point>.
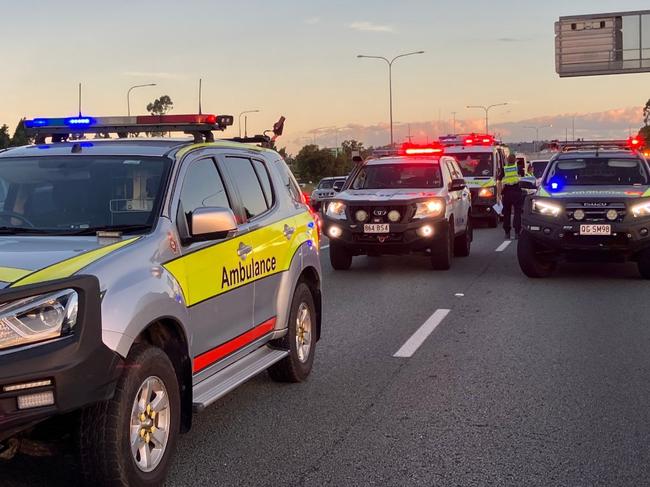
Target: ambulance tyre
<point>340,257</point>
<point>131,438</point>
<point>443,252</point>
<point>300,339</point>
<point>529,260</point>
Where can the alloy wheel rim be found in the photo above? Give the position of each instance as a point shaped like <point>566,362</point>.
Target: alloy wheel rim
<point>150,424</point>
<point>303,332</point>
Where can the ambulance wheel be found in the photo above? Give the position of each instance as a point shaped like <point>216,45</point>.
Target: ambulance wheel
<point>300,339</point>
<point>530,262</point>
<point>643,264</point>
<point>131,438</point>
<point>493,221</point>
<point>340,257</point>
<point>463,243</point>
<point>442,254</point>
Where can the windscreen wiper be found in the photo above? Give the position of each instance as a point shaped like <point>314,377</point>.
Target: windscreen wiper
<point>26,231</point>
<point>117,229</point>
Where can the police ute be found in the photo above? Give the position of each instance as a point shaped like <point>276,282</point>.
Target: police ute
<point>400,201</point>
<point>593,204</point>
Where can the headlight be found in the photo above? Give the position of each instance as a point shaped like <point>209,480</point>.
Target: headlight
<point>38,318</point>
<point>336,210</point>
<point>428,209</point>
<point>545,207</point>
<point>486,193</point>
<point>641,209</point>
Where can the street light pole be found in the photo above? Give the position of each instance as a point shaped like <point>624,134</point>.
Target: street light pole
<point>128,96</point>
<point>242,113</point>
<point>487,111</point>
<point>390,82</point>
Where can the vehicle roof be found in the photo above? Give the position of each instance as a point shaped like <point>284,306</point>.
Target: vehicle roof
<point>403,160</point>
<point>122,147</point>
<point>594,154</point>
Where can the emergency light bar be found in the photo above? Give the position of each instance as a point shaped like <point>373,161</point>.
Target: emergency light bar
<point>632,143</point>
<point>199,125</point>
<point>419,150</point>
<point>468,139</point>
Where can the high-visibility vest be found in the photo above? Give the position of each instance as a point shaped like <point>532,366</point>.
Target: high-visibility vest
<point>510,175</point>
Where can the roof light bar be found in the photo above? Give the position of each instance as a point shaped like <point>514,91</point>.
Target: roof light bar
<point>419,150</point>
<point>468,139</point>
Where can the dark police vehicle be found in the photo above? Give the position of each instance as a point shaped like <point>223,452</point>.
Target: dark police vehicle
<point>593,204</point>
<point>410,200</point>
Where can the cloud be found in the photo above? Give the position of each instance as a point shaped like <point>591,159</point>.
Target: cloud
<point>365,26</point>
<point>312,20</point>
<point>154,75</point>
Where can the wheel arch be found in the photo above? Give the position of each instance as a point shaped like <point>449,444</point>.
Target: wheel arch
<point>168,334</point>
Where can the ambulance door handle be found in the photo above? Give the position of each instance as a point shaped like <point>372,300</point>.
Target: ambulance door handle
<point>289,231</point>
<point>244,250</point>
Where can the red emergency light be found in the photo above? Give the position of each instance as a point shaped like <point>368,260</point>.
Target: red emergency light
<point>636,142</point>
<point>478,139</point>
<point>409,149</point>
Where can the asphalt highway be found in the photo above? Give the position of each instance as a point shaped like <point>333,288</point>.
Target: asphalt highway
<point>499,380</point>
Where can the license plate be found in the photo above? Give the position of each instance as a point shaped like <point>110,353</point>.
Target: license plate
<point>595,229</point>
<point>376,228</point>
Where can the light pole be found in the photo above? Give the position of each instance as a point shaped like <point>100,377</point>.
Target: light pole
<point>390,81</point>
<point>128,95</point>
<point>242,113</point>
<point>487,110</point>
<point>537,129</point>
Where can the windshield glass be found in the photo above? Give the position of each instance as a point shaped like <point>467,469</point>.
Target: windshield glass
<point>71,194</point>
<point>538,168</point>
<point>476,164</point>
<point>327,184</point>
<point>598,171</point>
<point>395,176</point>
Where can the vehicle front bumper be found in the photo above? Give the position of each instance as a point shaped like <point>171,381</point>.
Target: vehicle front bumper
<point>561,235</point>
<point>82,370</point>
<point>402,238</point>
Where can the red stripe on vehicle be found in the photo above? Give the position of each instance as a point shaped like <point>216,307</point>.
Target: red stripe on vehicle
<point>211,356</point>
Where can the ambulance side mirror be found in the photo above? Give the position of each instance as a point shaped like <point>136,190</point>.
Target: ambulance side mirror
<point>212,223</point>
<point>527,183</point>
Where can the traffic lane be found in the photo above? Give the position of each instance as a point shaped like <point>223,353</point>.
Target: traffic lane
<point>263,431</point>
<point>525,382</point>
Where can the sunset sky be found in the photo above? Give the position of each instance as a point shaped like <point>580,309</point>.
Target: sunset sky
<point>298,59</point>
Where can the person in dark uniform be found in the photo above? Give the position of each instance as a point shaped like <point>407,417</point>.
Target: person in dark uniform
<point>511,195</point>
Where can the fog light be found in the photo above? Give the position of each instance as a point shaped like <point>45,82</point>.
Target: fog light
<point>547,231</point>
<point>643,232</point>
<point>361,215</point>
<point>425,231</point>
<point>335,232</point>
<point>394,216</point>
<point>579,215</point>
<point>612,215</point>
<point>27,385</point>
<point>37,400</point>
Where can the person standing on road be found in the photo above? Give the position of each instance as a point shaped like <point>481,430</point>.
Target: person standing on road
<point>510,195</point>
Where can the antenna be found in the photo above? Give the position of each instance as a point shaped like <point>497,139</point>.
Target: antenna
<point>200,93</point>
<point>80,99</point>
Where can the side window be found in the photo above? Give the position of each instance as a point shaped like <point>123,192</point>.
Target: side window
<point>289,181</point>
<point>448,171</point>
<point>203,187</point>
<point>457,171</point>
<point>265,180</point>
<point>245,179</point>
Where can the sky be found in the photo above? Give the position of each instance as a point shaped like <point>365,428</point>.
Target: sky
<point>299,59</point>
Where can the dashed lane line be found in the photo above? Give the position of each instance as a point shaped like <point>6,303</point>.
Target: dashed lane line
<point>504,245</point>
<point>417,339</point>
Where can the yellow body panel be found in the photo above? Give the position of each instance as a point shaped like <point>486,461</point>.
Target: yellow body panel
<point>11,274</point>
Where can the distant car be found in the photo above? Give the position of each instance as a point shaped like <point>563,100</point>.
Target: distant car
<point>327,188</point>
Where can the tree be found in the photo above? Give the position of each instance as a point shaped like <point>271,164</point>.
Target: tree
<point>646,113</point>
<point>5,138</point>
<point>313,163</point>
<point>160,106</point>
<point>20,136</point>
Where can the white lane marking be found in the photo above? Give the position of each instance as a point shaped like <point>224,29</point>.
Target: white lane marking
<point>460,295</point>
<point>504,245</point>
<point>417,339</point>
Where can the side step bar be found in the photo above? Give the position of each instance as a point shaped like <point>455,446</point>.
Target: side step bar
<point>224,381</point>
